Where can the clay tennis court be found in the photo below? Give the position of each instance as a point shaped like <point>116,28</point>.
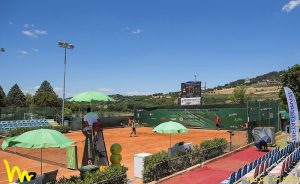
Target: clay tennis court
<point>146,141</point>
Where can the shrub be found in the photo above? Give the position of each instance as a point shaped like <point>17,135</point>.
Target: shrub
<point>150,166</point>
<point>19,131</point>
<point>212,143</point>
<point>160,165</point>
<point>112,175</point>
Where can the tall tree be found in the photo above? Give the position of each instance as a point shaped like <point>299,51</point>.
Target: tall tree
<point>239,94</point>
<point>45,96</point>
<point>16,97</point>
<point>291,79</point>
<point>2,98</point>
<point>29,99</point>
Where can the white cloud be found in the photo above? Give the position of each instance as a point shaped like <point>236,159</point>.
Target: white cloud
<point>125,28</point>
<point>33,33</point>
<point>26,91</point>
<point>35,50</point>
<point>10,23</point>
<point>23,52</point>
<point>31,90</point>
<point>40,32</point>
<point>29,25</point>
<point>291,5</point>
<point>105,90</point>
<point>29,34</point>
<point>137,31</point>
<point>57,89</point>
<point>138,93</point>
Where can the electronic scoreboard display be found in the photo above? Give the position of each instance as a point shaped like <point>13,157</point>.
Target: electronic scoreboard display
<point>191,89</point>
<point>190,93</point>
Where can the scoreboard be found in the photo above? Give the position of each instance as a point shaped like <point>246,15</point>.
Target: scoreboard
<point>191,89</point>
<point>190,93</point>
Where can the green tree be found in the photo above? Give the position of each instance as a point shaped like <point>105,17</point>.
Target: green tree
<point>291,79</point>
<point>16,97</point>
<point>45,96</point>
<point>29,99</point>
<point>239,94</point>
<point>2,97</point>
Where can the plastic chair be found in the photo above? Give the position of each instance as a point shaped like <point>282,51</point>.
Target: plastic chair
<point>238,174</point>
<point>256,171</point>
<point>250,167</point>
<point>245,170</point>
<point>262,167</point>
<point>266,166</point>
<point>232,178</point>
<point>254,164</point>
<point>259,161</point>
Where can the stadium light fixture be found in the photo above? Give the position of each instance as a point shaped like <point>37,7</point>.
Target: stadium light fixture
<point>66,46</point>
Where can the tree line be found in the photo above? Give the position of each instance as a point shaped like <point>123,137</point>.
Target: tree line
<point>45,96</point>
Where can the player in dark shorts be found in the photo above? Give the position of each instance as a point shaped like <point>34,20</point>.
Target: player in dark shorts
<point>133,130</point>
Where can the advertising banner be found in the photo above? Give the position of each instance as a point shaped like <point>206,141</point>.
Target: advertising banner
<point>191,101</point>
<point>293,112</point>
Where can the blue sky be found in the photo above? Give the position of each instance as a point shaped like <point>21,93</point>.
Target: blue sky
<point>140,47</point>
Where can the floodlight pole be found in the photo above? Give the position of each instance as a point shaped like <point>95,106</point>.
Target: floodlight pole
<point>66,46</point>
<point>64,90</point>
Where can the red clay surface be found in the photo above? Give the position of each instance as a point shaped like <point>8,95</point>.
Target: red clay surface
<point>146,141</point>
<point>216,172</point>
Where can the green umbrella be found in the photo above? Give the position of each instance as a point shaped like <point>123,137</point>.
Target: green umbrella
<point>90,96</point>
<point>40,138</point>
<point>170,127</point>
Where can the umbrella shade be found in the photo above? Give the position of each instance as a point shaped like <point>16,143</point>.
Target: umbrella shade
<point>170,127</point>
<point>41,138</point>
<point>90,96</point>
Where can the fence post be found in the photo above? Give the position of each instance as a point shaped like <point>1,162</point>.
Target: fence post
<point>259,118</point>
<point>278,120</point>
<point>230,143</point>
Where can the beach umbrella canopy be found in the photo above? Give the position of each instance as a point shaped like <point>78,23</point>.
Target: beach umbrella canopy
<point>170,127</point>
<point>40,138</point>
<point>90,96</point>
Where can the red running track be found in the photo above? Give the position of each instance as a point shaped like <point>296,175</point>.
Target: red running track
<point>217,171</point>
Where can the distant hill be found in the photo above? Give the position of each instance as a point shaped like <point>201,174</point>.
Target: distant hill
<point>268,79</point>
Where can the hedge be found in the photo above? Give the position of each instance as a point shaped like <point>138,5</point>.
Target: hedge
<point>112,175</point>
<point>160,165</point>
<point>19,131</point>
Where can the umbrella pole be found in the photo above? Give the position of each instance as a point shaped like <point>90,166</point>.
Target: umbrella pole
<point>41,161</point>
<point>170,140</point>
